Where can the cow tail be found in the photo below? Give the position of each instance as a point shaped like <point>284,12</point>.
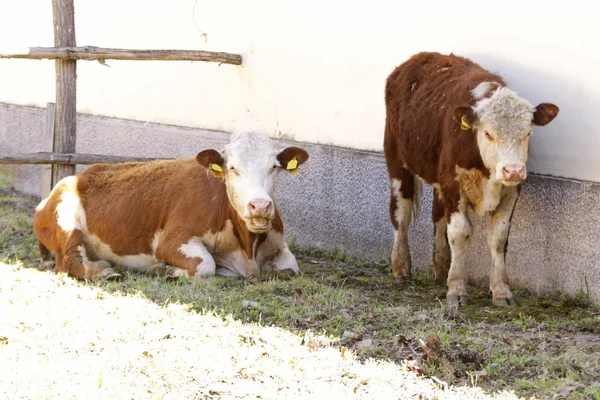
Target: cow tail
<point>416,211</point>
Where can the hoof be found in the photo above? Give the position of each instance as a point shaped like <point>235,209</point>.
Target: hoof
<point>172,273</point>
<point>504,301</point>
<point>46,265</point>
<point>222,271</point>
<point>110,274</point>
<point>285,273</point>
<point>441,280</point>
<point>455,300</point>
<point>401,280</point>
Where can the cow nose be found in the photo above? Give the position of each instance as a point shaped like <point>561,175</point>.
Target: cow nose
<point>260,207</point>
<point>513,172</point>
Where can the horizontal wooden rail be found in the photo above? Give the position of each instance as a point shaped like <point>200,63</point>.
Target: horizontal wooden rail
<point>56,158</point>
<point>98,53</point>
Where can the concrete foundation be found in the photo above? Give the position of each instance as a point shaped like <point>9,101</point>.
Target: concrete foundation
<point>340,200</point>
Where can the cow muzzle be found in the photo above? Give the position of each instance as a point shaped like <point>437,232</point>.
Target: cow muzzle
<point>260,213</point>
<point>513,174</point>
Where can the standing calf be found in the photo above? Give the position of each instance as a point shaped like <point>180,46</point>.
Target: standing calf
<point>459,128</point>
<point>189,217</point>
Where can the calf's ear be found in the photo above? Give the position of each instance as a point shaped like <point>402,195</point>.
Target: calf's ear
<point>544,114</point>
<point>465,117</point>
<point>291,158</point>
<point>211,160</point>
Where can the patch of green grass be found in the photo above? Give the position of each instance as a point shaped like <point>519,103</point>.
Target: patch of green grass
<point>17,240</point>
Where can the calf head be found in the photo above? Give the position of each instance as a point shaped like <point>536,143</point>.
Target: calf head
<point>249,166</point>
<point>502,122</point>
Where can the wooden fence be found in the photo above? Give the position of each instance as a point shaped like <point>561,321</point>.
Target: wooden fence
<point>60,134</point>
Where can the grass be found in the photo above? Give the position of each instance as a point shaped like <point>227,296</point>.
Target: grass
<point>340,330</point>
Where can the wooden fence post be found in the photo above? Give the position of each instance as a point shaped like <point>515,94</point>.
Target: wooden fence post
<point>47,183</point>
<point>65,134</point>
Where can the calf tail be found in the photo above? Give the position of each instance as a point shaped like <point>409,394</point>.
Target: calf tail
<point>416,211</point>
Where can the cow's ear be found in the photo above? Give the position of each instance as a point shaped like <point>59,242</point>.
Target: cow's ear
<point>291,158</point>
<point>211,160</point>
<point>465,117</point>
<point>544,114</point>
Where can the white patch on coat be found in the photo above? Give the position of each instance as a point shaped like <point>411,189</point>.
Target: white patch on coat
<point>156,240</point>
<point>497,235</point>
<point>459,231</point>
<point>483,89</point>
<point>403,207</point>
<point>194,248</point>
<point>139,262</point>
<point>236,261</point>
<point>69,212</point>
<point>504,121</point>
<point>274,254</point>
<point>401,261</point>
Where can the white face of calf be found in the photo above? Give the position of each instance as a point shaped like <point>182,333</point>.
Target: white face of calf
<point>249,166</point>
<point>502,122</point>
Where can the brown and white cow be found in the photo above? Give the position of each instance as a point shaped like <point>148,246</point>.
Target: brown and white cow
<point>188,217</point>
<point>460,129</point>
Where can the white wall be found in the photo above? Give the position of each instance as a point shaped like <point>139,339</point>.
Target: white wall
<point>315,69</point>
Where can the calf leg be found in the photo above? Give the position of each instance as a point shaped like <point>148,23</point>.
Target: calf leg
<point>401,204</point>
<point>75,261</point>
<point>497,238</point>
<point>459,232</point>
<point>441,249</point>
<point>185,258</point>
<point>274,254</point>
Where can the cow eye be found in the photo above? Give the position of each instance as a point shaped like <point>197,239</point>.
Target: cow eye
<point>489,137</point>
<point>234,170</point>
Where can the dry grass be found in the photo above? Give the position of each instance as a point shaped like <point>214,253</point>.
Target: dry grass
<point>341,330</point>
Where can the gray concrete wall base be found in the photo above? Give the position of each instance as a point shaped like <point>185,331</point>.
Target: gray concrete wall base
<point>340,200</point>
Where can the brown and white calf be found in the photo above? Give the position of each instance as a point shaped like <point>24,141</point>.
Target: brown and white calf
<point>459,128</point>
<point>192,217</point>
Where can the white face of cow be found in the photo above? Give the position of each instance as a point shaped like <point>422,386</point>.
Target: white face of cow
<point>502,122</point>
<point>249,167</point>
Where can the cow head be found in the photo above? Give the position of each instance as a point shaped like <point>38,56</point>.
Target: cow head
<point>502,122</point>
<point>249,166</point>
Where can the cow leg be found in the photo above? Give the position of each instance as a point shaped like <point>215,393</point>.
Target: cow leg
<point>497,238</point>
<point>275,255</point>
<point>459,232</point>
<point>401,205</point>
<point>184,258</point>
<point>441,249</point>
<point>75,260</point>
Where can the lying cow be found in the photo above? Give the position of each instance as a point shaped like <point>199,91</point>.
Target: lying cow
<point>188,217</point>
<point>456,126</point>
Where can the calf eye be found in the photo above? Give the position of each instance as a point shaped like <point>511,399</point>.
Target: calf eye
<point>489,137</point>
<point>234,170</point>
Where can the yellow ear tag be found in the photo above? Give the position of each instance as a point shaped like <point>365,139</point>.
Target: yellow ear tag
<point>292,164</point>
<point>464,124</point>
<point>216,170</point>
